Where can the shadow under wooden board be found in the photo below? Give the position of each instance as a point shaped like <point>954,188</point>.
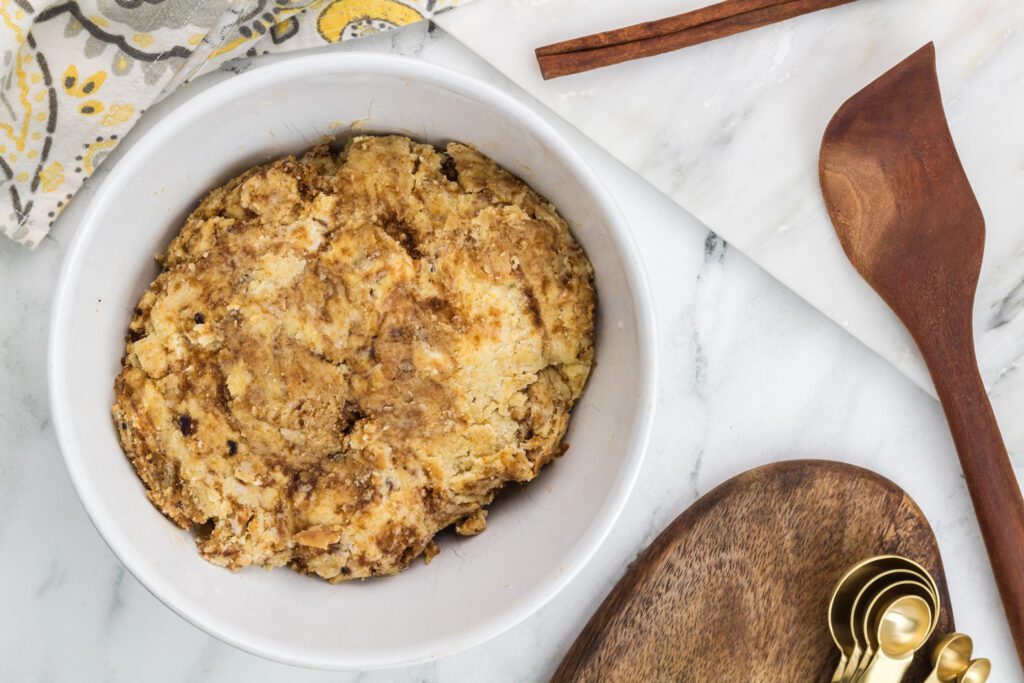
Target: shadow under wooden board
<point>737,587</point>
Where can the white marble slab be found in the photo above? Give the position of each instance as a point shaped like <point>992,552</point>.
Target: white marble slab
<point>730,130</point>
<point>751,375</point>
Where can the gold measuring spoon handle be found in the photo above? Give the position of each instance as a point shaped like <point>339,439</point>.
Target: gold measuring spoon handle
<point>837,677</point>
<point>852,665</point>
<point>887,669</point>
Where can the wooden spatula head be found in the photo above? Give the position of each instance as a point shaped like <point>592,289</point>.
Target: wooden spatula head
<point>898,195</point>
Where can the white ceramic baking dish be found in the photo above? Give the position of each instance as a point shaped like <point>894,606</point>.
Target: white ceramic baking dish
<point>538,537</point>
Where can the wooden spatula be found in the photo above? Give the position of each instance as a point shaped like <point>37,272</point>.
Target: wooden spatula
<point>910,224</point>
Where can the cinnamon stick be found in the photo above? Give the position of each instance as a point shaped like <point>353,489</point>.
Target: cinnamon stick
<point>671,33</point>
<point>650,29</point>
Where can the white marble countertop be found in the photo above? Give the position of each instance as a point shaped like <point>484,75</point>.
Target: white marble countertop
<point>752,374</point>
<point>731,131</point>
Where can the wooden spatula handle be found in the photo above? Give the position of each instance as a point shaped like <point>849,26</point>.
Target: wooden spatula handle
<point>990,477</point>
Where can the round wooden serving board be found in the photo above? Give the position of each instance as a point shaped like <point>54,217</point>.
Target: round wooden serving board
<point>737,587</point>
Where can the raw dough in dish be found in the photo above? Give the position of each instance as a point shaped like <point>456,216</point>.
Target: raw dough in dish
<point>346,353</point>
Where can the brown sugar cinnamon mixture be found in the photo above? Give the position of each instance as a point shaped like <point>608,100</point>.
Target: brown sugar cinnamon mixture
<point>346,353</point>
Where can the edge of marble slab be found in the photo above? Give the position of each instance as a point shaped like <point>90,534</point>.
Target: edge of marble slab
<point>862,319</point>
<point>461,27</point>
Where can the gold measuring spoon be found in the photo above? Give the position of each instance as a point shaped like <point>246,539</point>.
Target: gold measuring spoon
<point>845,592</point>
<point>890,592</point>
<point>840,607</point>
<point>977,671</point>
<point>903,626</point>
<point>951,657</point>
<point>861,617</point>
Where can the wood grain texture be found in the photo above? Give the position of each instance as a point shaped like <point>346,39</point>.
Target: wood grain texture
<point>908,219</point>
<point>737,587</point>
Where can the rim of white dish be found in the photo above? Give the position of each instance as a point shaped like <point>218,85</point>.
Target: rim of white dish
<point>386,65</point>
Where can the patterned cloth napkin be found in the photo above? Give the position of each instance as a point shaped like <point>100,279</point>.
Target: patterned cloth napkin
<point>75,76</point>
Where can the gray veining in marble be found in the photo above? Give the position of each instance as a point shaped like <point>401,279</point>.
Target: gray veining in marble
<point>730,130</point>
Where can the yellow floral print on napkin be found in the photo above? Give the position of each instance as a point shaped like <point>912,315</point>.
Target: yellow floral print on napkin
<point>75,76</point>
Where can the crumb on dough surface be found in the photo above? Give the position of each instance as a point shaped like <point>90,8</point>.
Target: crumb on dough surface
<point>346,353</point>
